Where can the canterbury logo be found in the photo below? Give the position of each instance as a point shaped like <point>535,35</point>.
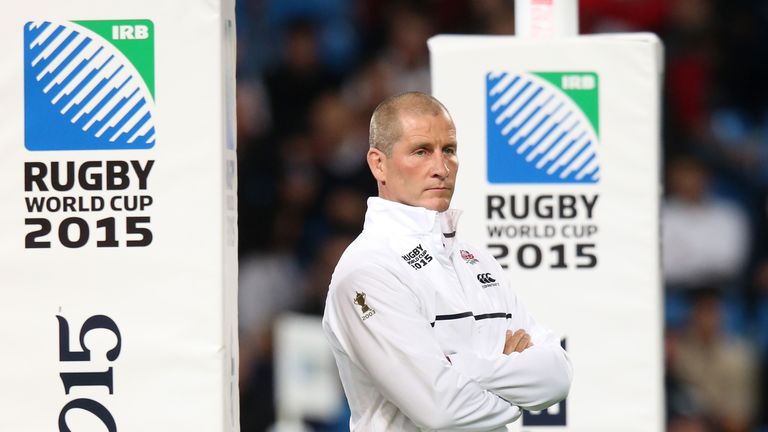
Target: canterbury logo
<point>537,133</point>
<point>485,278</point>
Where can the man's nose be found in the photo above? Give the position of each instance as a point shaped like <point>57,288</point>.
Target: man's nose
<point>440,166</point>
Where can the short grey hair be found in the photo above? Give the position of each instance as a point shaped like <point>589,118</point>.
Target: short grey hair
<point>385,129</point>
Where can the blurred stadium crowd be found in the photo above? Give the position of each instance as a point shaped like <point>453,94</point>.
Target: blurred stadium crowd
<point>310,73</point>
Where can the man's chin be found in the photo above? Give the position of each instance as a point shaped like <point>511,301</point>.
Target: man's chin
<point>437,204</point>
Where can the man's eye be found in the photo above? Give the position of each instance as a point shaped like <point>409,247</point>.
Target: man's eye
<point>420,152</point>
<point>450,150</point>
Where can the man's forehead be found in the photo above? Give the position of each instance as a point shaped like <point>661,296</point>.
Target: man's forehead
<point>413,119</point>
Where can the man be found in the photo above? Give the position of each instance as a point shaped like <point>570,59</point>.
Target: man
<point>426,333</point>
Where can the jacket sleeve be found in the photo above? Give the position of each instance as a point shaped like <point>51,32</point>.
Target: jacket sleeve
<point>396,346</point>
<point>534,379</point>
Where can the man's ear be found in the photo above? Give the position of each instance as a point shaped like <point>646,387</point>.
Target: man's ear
<point>376,163</point>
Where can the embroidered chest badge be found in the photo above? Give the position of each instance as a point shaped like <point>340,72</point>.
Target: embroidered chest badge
<point>360,301</point>
<point>418,257</point>
<point>468,257</point>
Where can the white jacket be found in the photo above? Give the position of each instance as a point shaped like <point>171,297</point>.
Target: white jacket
<point>406,297</point>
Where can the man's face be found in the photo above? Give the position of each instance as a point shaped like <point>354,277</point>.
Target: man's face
<point>422,169</point>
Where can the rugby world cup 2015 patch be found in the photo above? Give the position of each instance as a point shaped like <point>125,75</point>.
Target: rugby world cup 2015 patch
<point>89,85</point>
<point>542,127</point>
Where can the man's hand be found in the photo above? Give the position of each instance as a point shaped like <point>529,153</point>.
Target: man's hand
<point>517,341</point>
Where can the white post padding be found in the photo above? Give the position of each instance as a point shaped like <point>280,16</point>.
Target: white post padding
<point>118,229</point>
<point>546,18</point>
<point>559,178</point>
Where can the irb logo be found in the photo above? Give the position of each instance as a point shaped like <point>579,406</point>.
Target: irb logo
<point>578,82</point>
<point>89,85</point>
<point>127,32</point>
<point>542,127</point>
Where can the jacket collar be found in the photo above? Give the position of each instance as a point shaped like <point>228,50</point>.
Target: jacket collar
<point>402,219</point>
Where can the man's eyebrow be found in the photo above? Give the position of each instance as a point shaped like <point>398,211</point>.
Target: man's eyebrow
<point>421,143</point>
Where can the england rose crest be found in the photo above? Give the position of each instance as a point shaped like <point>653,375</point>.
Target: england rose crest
<point>468,257</point>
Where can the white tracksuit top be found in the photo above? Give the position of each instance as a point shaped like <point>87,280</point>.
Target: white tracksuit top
<point>405,297</point>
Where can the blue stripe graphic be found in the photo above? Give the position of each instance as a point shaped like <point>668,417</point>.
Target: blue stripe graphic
<point>536,134</point>
<point>81,93</point>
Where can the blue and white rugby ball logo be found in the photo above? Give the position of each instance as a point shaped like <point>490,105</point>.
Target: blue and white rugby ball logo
<point>542,127</point>
<point>89,85</point>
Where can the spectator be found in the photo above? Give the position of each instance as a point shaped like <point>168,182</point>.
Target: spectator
<point>704,237</point>
<point>297,80</point>
<point>719,370</point>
